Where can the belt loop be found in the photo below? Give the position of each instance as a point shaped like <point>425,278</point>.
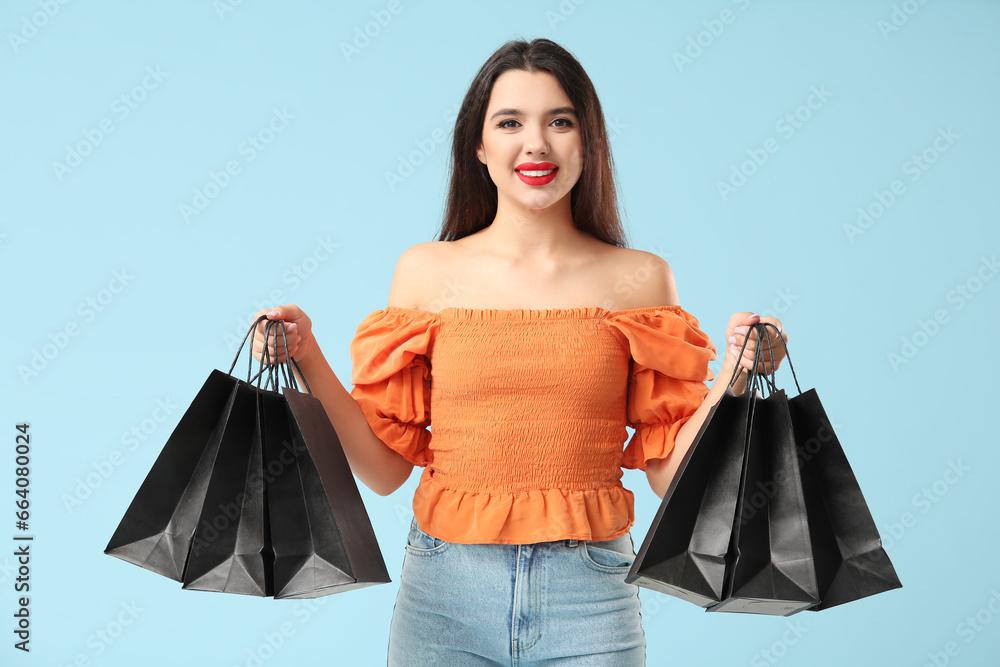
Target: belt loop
<point>572,543</point>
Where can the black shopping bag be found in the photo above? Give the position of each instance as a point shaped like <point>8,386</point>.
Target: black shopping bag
<point>244,464</point>
<point>155,532</point>
<point>321,534</point>
<point>847,557</point>
<point>157,529</point>
<point>230,552</point>
<point>850,561</point>
<point>684,551</point>
<point>770,566</point>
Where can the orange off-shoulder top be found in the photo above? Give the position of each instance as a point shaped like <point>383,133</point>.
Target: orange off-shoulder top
<point>529,411</point>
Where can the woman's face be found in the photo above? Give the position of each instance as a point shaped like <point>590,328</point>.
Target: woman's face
<point>531,127</point>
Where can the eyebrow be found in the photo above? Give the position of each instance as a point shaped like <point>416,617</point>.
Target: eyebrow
<point>518,112</point>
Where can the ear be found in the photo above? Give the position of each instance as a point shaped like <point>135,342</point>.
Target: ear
<point>480,153</point>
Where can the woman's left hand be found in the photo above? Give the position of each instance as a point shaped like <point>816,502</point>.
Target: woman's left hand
<point>736,333</point>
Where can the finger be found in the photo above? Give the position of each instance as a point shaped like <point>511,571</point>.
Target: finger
<point>751,349</point>
<point>289,313</point>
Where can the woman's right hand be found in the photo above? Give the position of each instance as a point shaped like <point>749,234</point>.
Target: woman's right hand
<point>298,334</point>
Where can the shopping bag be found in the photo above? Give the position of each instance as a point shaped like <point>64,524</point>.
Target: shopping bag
<point>847,557</point>
<point>770,566</point>
<point>155,532</point>
<point>321,534</point>
<point>157,528</point>
<point>684,551</point>
<point>851,562</point>
<point>229,550</point>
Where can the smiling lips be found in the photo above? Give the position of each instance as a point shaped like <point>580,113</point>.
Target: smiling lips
<point>536,173</point>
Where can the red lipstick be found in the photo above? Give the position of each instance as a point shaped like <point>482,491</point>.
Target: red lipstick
<point>536,179</point>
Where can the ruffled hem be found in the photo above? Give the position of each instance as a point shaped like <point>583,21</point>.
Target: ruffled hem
<point>537,515</point>
<point>406,439</point>
<point>651,441</point>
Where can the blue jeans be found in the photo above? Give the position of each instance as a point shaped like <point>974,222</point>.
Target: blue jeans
<point>550,603</point>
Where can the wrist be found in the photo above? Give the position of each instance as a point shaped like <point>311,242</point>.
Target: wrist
<point>730,367</point>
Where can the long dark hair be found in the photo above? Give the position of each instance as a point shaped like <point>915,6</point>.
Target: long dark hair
<point>472,195</point>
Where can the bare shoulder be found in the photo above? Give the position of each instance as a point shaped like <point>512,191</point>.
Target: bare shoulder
<point>413,269</point>
<point>643,278</point>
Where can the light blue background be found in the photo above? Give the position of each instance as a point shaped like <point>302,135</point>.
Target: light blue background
<point>777,246</point>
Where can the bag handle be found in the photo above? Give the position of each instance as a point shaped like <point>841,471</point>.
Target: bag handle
<point>752,376</point>
<point>277,370</point>
<point>251,332</point>
<point>752,381</point>
<point>283,367</point>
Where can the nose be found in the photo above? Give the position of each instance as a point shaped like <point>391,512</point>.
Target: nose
<point>534,142</point>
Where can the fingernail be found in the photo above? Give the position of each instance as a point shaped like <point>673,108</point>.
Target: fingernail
<point>272,313</point>
<point>291,327</point>
<point>734,350</point>
<point>732,339</point>
<point>740,330</point>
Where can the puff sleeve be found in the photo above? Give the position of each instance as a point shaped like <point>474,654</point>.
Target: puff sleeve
<point>667,376</point>
<point>391,376</point>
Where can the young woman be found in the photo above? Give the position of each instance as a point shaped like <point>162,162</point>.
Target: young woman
<point>533,336</point>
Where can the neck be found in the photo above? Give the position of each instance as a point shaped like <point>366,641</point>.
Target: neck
<point>526,234</point>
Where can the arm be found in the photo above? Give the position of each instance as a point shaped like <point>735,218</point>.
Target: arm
<point>660,472</point>
<point>380,468</point>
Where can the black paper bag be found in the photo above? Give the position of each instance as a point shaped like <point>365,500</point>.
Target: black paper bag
<point>230,552</point>
<point>155,532</point>
<point>322,536</point>
<point>770,561</point>
<point>253,495</point>
<point>850,560</point>
<point>684,551</point>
